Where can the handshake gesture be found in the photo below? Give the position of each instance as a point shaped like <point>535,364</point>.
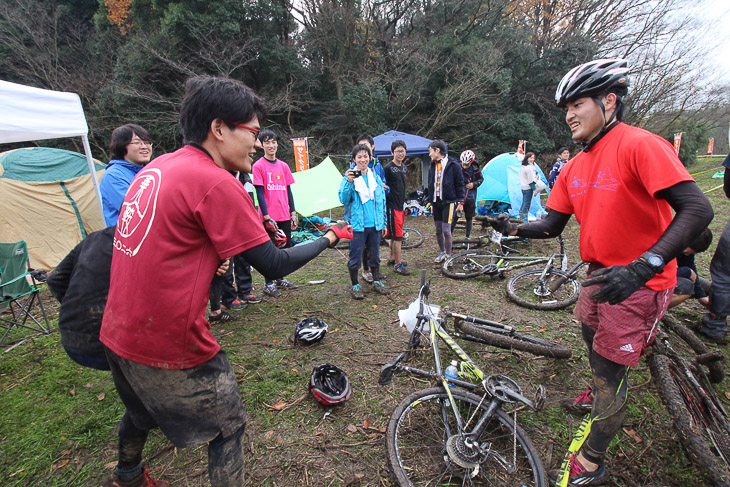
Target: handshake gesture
<point>340,230</point>
<point>502,224</point>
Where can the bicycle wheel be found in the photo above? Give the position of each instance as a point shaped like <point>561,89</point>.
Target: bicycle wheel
<point>529,290</point>
<point>470,264</point>
<point>412,238</point>
<point>702,431</point>
<point>514,341</point>
<point>419,430</point>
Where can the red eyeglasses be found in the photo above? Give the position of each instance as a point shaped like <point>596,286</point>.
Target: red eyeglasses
<point>254,132</point>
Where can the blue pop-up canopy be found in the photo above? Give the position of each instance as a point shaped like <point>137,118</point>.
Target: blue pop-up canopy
<point>502,183</point>
<point>416,145</point>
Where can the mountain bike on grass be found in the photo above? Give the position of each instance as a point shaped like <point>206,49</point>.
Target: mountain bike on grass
<point>457,433</point>
<point>472,263</point>
<point>696,411</point>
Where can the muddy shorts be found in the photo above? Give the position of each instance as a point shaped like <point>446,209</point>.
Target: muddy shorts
<point>624,330</point>
<point>191,406</point>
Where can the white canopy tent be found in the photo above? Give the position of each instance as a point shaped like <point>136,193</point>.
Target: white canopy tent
<point>29,113</point>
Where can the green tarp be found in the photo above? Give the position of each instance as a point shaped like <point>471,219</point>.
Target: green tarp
<point>316,189</point>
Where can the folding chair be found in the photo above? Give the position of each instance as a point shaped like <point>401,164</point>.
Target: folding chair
<point>17,294</point>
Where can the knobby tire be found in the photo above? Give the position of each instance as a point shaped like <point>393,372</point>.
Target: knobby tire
<point>526,290</point>
<point>685,405</point>
<point>516,341</point>
<point>416,443</point>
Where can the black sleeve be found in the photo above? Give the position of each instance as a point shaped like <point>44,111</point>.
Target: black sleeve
<point>291,199</point>
<point>549,227</point>
<point>478,178</point>
<point>275,263</point>
<point>261,200</point>
<point>693,214</point>
<point>60,277</point>
<point>726,182</point>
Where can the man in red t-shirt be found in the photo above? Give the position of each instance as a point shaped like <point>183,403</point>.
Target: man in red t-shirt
<point>621,189</point>
<point>173,231</point>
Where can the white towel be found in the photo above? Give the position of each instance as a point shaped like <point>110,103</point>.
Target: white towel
<point>366,191</point>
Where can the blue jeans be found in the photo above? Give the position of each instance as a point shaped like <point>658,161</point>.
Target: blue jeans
<point>369,238</point>
<point>526,200</point>
<point>720,287</point>
<point>244,283</point>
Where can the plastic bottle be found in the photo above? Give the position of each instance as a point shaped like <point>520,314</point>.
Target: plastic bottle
<point>452,372</point>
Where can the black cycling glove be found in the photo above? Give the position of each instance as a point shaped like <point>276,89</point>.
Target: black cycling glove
<point>620,281</point>
<point>502,224</point>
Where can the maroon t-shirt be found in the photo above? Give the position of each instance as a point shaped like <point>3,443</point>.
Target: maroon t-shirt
<point>182,214</point>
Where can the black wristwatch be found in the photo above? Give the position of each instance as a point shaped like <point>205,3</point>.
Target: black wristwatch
<point>655,261</point>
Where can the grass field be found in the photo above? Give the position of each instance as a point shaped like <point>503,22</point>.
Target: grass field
<point>58,420</point>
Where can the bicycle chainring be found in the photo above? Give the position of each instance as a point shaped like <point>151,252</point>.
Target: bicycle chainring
<point>497,385</point>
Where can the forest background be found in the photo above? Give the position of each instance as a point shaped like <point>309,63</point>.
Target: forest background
<point>480,74</point>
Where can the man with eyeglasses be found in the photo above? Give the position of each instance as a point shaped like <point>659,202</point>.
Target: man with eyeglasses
<point>168,368</point>
<point>131,150</point>
<point>395,178</point>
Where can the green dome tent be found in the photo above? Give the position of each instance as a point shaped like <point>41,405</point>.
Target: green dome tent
<point>48,200</point>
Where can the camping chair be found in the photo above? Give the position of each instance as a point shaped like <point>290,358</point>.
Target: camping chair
<point>17,294</point>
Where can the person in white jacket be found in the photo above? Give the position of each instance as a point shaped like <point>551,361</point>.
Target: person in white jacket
<point>528,178</point>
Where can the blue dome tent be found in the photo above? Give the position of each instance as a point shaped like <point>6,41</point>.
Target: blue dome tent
<point>502,184</point>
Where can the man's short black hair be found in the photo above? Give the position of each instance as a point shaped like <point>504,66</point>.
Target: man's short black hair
<point>208,98</point>
<point>358,148</point>
<point>397,143</point>
<point>440,145</point>
<point>368,138</point>
<point>702,242</point>
<point>267,134</point>
<point>122,136</point>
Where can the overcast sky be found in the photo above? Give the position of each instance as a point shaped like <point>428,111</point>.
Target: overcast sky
<point>715,15</point>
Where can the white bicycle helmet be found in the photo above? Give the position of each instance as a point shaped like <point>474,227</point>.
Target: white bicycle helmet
<point>592,79</point>
<point>467,157</point>
<point>310,330</point>
<point>329,384</point>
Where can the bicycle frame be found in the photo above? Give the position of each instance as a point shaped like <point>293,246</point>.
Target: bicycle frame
<point>498,393</point>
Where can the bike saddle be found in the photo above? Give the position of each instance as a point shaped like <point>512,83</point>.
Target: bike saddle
<point>387,370</point>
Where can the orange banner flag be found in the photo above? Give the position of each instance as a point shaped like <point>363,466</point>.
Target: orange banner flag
<point>711,145</point>
<point>301,154</point>
<point>677,142</point>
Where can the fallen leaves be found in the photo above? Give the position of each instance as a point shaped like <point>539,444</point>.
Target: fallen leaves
<point>633,435</point>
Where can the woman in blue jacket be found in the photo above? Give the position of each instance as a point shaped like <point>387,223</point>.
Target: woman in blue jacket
<point>363,194</point>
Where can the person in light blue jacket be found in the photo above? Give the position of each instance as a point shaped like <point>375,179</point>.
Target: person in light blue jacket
<point>363,194</point>
<point>131,150</point>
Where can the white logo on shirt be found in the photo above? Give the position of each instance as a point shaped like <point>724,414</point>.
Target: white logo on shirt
<point>627,348</point>
<point>138,211</point>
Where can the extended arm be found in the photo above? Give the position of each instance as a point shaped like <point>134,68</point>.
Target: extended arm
<point>260,198</point>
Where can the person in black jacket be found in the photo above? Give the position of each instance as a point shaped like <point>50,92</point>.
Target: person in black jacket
<point>81,284</point>
<point>472,180</point>
<point>445,191</point>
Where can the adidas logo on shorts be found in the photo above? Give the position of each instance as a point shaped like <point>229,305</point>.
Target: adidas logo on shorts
<point>627,348</point>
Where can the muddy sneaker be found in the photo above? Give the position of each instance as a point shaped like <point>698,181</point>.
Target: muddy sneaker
<point>367,276</point>
<point>379,287</point>
<point>439,258</point>
<point>236,305</point>
<point>285,284</point>
<point>221,317</point>
<point>357,292</point>
<point>250,298</point>
<point>581,405</point>
<point>401,269</point>
<point>144,480</point>
<point>271,290</point>
<point>580,476</point>
<point>392,262</point>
